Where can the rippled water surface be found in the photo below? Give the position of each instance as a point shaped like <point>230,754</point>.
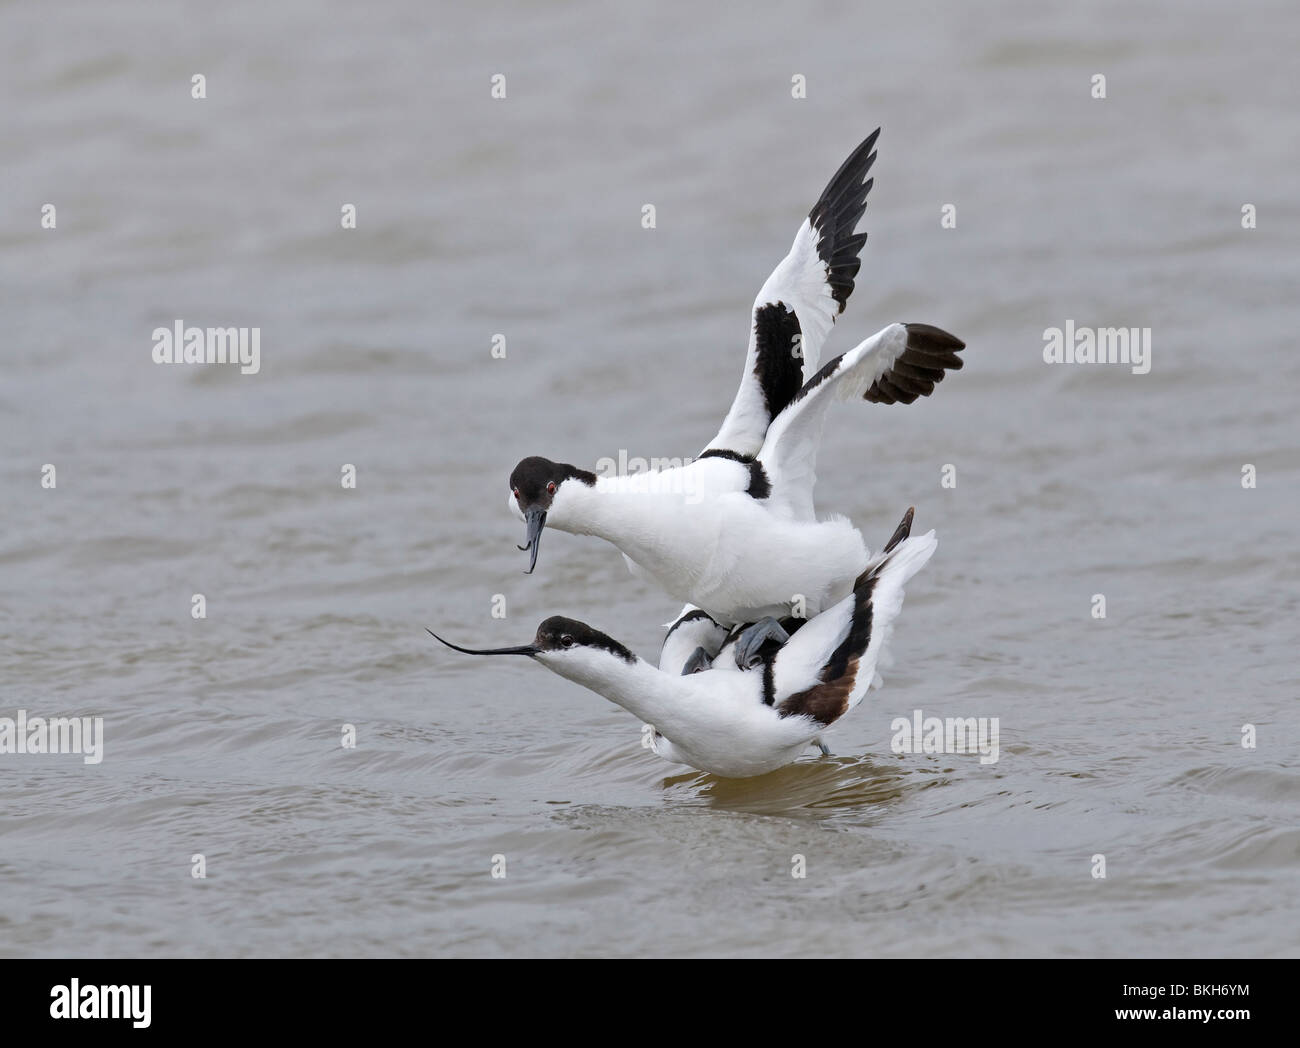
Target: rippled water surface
<point>1120,736</point>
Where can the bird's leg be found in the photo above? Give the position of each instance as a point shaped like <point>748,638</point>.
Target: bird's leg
<point>697,663</point>
<point>754,637</point>
<point>822,746</point>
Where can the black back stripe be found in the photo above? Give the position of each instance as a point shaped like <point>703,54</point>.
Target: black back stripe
<point>760,487</point>
<point>859,634</point>
<point>827,700</point>
<point>726,453</point>
<point>778,370</point>
<point>769,683</point>
<point>827,370</point>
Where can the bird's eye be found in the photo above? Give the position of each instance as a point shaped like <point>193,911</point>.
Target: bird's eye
<point>516,492</point>
<point>550,488</point>
<point>566,641</point>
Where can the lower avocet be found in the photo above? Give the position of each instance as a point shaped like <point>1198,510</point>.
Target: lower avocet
<point>737,722</point>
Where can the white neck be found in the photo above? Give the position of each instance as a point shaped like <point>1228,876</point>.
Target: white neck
<point>640,688</point>
<point>647,525</point>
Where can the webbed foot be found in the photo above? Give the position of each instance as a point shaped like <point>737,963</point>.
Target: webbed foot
<point>752,638</point>
<point>697,663</point>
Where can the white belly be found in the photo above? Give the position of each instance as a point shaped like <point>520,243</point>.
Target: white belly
<point>747,564</point>
<point>734,762</point>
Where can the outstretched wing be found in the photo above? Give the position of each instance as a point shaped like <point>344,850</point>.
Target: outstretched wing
<point>797,306</point>
<point>900,363</point>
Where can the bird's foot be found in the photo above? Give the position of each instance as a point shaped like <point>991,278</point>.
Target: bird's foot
<point>752,638</point>
<point>697,663</point>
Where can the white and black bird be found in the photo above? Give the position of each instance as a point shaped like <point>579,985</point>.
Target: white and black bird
<point>734,532</point>
<point>741,722</point>
<point>738,538</point>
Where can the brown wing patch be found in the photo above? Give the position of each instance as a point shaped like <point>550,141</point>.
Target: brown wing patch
<point>827,700</point>
<point>919,368</point>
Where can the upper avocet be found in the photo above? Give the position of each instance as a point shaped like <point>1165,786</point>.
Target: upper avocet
<point>734,532</point>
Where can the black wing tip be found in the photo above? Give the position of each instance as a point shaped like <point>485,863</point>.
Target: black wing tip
<point>931,352</point>
<point>836,214</point>
<point>862,157</point>
<point>844,199</point>
<point>901,532</point>
<point>926,336</point>
<point>849,176</point>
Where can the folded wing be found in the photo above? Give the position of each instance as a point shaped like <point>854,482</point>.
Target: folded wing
<point>828,666</point>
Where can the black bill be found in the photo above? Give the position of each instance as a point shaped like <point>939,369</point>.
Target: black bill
<point>523,649</point>
<point>536,520</point>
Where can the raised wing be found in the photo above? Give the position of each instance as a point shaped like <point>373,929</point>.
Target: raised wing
<point>797,305</point>
<point>900,363</point>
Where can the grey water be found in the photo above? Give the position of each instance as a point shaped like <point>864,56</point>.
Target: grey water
<point>1121,737</point>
